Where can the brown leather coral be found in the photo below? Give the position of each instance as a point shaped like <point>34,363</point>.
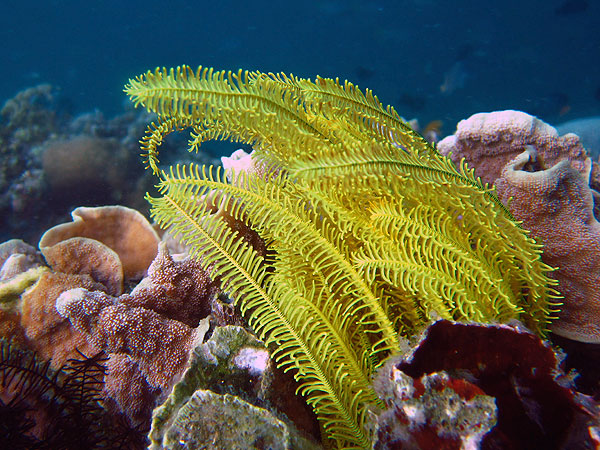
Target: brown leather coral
<point>122,230</point>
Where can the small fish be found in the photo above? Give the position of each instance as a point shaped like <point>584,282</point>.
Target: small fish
<point>364,73</point>
<point>454,78</point>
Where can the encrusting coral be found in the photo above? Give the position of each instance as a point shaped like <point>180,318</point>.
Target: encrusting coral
<point>147,333</point>
<point>488,141</point>
<point>20,267</point>
<point>370,232</point>
<point>551,181</point>
<point>49,334</point>
<point>180,290</point>
<point>233,354</point>
<point>159,345</point>
<point>434,411</point>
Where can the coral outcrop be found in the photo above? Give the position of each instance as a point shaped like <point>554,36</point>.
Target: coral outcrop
<point>122,230</point>
<point>147,333</point>
<point>227,421</point>
<point>557,206</point>
<point>434,411</point>
<point>537,406</point>
<point>553,185</point>
<point>235,355</point>
<point>487,141</point>
<point>160,346</point>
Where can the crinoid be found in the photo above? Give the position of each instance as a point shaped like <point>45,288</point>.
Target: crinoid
<point>372,232</point>
<point>41,408</point>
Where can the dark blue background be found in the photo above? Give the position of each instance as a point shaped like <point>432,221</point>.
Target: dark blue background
<point>513,54</point>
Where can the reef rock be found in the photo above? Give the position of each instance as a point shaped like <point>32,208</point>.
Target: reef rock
<point>553,185</point>
<point>457,368</point>
<point>226,421</point>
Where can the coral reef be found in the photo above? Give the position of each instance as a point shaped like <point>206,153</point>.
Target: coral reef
<point>370,232</point>
<point>552,182</point>
<point>433,412</point>
<point>537,406</point>
<point>160,346</point>
<point>557,206</point>
<point>26,121</point>
<point>226,421</point>
<point>127,239</point>
<point>488,141</point>
<point>47,161</point>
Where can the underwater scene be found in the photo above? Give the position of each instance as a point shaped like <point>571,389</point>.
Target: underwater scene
<point>316,225</point>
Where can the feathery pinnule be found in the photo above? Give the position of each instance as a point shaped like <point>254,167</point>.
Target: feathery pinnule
<point>371,232</point>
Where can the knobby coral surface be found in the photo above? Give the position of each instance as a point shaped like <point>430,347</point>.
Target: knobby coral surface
<point>147,333</point>
<point>159,345</point>
<point>488,141</point>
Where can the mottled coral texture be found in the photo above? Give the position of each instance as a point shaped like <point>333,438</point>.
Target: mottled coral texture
<point>556,205</point>
<point>148,333</point>
<point>488,141</point>
<point>552,182</point>
<point>159,345</point>
<point>537,406</point>
<point>180,290</point>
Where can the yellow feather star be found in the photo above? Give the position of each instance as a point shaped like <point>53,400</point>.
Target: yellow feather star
<point>374,232</point>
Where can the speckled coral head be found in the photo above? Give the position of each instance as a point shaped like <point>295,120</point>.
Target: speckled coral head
<point>124,230</point>
<point>556,205</point>
<point>488,141</point>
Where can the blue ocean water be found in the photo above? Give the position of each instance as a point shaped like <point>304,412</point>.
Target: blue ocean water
<point>433,60</point>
